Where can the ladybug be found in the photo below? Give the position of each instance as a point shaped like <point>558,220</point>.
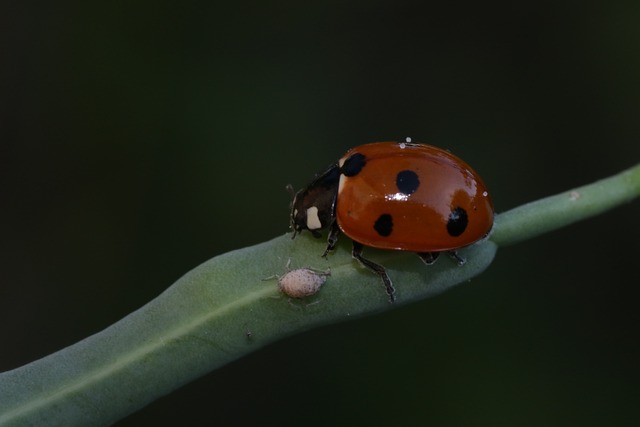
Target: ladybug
<point>398,196</point>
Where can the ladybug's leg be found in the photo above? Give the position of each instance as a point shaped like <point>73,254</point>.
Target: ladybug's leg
<point>376,268</point>
<point>428,257</point>
<point>334,232</point>
<point>456,258</point>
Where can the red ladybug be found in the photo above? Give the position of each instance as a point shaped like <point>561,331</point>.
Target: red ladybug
<point>399,196</point>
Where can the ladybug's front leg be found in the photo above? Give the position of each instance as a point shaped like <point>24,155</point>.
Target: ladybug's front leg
<point>334,232</point>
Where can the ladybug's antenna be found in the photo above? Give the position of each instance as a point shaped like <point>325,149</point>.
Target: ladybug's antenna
<point>292,192</point>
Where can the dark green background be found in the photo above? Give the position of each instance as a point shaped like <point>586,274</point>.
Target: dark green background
<point>138,139</point>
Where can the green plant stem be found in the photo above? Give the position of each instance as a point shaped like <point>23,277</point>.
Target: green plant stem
<point>550,213</point>
<point>224,309</point>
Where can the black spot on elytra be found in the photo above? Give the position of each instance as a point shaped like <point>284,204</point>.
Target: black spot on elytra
<point>384,225</point>
<point>407,182</point>
<point>353,164</point>
<point>458,221</point>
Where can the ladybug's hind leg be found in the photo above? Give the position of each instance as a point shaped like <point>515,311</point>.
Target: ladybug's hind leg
<point>428,257</point>
<point>376,268</point>
<point>456,258</point>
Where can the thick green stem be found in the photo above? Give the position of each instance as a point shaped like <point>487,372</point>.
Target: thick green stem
<point>224,309</point>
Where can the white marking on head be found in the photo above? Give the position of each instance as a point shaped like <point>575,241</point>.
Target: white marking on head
<point>341,183</point>
<point>342,177</point>
<point>313,220</point>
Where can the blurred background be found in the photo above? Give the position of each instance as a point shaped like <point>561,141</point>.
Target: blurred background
<point>139,139</point>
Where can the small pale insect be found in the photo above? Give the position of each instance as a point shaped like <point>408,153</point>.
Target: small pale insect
<point>301,282</point>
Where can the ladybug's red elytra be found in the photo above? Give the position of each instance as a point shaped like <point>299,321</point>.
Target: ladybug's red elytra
<point>399,196</point>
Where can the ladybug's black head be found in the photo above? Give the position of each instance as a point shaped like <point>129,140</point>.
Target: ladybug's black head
<point>313,207</point>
